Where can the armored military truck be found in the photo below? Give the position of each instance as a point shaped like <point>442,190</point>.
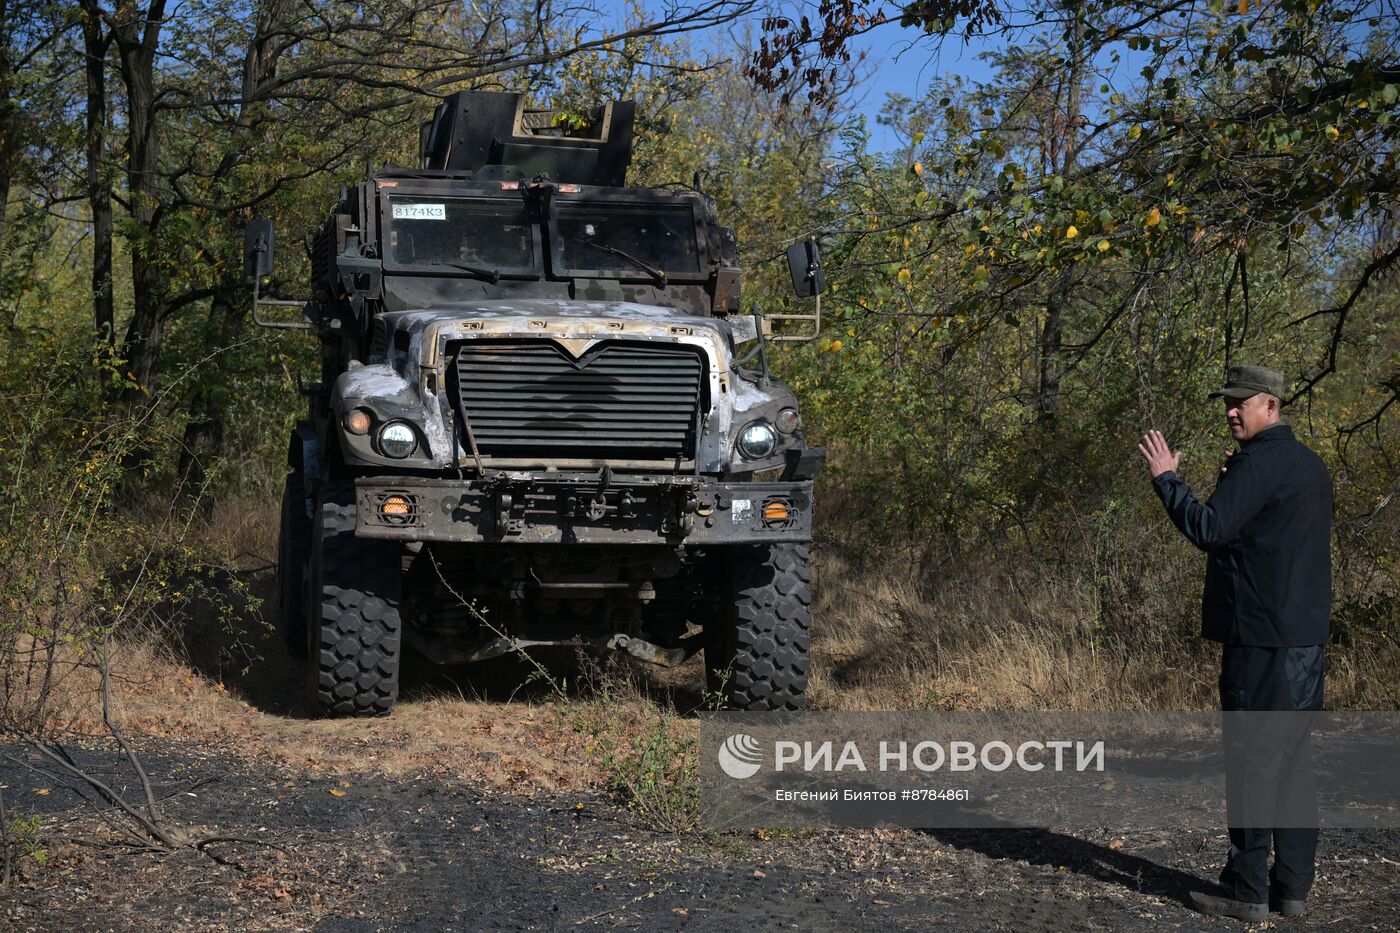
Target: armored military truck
<point>541,420</point>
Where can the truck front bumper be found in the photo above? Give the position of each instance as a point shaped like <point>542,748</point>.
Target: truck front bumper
<point>551,508</point>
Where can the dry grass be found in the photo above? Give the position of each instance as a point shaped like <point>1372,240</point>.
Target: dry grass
<point>521,745</point>
<point>205,666</point>
<point>994,640</point>
<point>1000,635</point>
<point>1023,633</point>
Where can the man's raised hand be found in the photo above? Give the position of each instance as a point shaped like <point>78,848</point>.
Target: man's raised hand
<point>1158,454</point>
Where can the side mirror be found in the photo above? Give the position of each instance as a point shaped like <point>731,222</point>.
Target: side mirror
<point>805,264</point>
<point>257,250</point>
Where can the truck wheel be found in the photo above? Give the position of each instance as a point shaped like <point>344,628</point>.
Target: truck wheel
<point>759,659</point>
<point>293,541</point>
<point>352,667</point>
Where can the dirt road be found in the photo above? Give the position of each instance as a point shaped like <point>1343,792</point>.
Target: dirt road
<point>428,854</point>
<point>479,805</point>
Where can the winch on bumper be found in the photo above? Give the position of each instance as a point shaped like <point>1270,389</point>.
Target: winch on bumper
<point>550,508</point>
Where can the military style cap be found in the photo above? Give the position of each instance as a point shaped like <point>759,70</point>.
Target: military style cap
<point>1244,381</point>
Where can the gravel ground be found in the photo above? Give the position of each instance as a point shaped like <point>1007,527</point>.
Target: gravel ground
<point>330,854</point>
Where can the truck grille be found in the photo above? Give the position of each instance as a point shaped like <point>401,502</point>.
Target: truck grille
<point>621,399</point>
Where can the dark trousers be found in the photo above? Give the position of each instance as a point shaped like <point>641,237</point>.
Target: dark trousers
<point>1268,765</point>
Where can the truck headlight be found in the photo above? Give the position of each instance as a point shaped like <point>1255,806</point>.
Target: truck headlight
<point>397,440</point>
<point>757,440</point>
<point>357,421</point>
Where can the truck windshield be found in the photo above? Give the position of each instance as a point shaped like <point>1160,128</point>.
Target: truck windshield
<point>625,238</point>
<point>479,232</point>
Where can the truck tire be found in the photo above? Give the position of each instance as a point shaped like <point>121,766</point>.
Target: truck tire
<point>758,659</point>
<point>293,542</point>
<point>353,642</point>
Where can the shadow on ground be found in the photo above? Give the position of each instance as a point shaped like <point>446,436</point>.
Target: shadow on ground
<point>1053,850</point>
<point>227,631</point>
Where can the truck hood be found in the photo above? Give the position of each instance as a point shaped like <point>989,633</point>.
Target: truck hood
<point>497,316</point>
<point>412,352</point>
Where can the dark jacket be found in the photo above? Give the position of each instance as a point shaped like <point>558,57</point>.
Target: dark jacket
<point>1268,531</point>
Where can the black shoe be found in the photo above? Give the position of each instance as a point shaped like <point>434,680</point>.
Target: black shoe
<point>1285,906</point>
<point>1214,906</point>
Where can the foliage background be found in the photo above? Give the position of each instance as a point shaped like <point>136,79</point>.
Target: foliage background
<point>1055,260</point>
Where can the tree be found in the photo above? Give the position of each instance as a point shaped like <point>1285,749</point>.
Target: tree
<point>225,112</point>
<point>1251,127</point>
<point>31,92</point>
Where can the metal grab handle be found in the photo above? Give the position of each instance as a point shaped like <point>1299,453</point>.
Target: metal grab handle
<point>815,318</point>
<point>278,302</point>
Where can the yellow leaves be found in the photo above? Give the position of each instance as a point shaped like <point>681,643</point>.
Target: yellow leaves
<point>1154,217</point>
<point>337,792</point>
<point>1071,232</point>
<point>831,346</point>
<point>1103,246</point>
<point>1243,7</point>
<point>1332,133</point>
<point>917,168</point>
<point>41,791</point>
<point>905,277</point>
<point>1135,131</point>
<point>1036,229</point>
<point>1171,179</point>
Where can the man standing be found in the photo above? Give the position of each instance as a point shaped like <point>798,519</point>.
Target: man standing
<point>1268,598</point>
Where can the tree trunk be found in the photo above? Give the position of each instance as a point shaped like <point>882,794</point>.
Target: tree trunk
<point>4,203</point>
<point>99,182</point>
<point>1047,394</point>
<point>137,35</point>
<point>204,431</point>
<point>9,117</point>
<point>1051,347</point>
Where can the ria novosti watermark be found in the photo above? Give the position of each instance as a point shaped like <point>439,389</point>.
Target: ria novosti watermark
<point>739,756</point>
<point>1048,769</point>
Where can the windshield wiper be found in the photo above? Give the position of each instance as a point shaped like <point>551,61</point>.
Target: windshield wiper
<point>658,274</point>
<point>487,274</point>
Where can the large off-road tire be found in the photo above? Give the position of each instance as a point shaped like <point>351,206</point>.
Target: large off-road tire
<point>293,545</point>
<point>352,667</point>
<point>758,657</point>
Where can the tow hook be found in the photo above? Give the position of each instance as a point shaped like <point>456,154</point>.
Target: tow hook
<point>688,505</point>
<point>504,525</point>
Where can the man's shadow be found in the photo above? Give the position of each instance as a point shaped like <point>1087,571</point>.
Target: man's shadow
<point>1044,847</point>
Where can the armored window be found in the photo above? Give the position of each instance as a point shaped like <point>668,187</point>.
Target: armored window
<point>427,230</point>
<point>618,239</point>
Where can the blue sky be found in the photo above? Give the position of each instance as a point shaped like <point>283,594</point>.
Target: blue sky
<point>898,63</point>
